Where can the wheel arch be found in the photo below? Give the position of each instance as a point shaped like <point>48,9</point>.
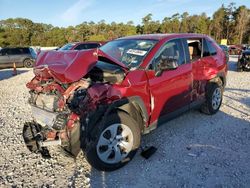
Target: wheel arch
<point>220,79</point>
<point>133,106</point>
<point>136,109</point>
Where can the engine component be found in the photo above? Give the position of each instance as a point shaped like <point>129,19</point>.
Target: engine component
<point>78,98</point>
<point>106,72</point>
<point>60,122</point>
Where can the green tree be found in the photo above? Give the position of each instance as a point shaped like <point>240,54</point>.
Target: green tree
<point>242,18</point>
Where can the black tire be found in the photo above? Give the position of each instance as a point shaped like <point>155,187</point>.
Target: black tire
<point>208,107</point>
<point>239,67</point>
<point>91,152</point>
<point>239,70</point>
<point>28,63</point>
<point>247,69</point>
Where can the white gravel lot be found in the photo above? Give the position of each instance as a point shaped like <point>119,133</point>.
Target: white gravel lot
<point>194,150</point>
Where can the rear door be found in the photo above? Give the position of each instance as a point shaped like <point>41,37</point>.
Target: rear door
<point>171,90</point>
<point>203,60</point>
<point>195,58</point>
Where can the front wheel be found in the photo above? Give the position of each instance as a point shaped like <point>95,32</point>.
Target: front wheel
<point>213,99</point>
<point>115,142</point>
<point>28,63</point>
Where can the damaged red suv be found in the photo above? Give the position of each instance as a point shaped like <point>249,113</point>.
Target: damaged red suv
<point>102,101</point>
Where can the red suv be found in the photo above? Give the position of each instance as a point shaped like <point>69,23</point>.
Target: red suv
<point>102,101</point>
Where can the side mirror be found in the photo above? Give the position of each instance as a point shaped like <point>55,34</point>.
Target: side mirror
<point>166,63</point>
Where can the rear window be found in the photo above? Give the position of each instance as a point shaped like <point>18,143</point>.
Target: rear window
<point>33,53</point>
<point>4,51</point>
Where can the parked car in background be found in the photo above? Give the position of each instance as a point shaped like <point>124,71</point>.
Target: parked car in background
<point>225,49</point>
<point>21,56</point>
<point>81,46</point>
<point>244,61</point>
<point>235,49</point>
<point>102,101</point>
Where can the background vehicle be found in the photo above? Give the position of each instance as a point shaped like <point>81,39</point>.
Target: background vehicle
<point>22,56</point>
<point>102,101</point>
<point>226,50</point>
<point>235,49</point>
<point>244,61</point>
<point>81,46</point>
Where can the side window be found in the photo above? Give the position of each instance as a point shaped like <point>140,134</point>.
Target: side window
<point>172,50</point>
<point>25,50</point>
<point>206,51</point>
<point>86,46</point>
<point>14,51</point>
<point>195,48</point>
<point>91,46</point>
<point>80,47</point>
<point>212,50</point>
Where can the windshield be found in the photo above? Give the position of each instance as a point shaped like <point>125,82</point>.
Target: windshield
<point>130,52</point>
<point>66,47</point>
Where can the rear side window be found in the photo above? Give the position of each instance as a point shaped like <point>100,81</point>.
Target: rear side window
<point>212,49</point>
<point>206,51</point>
<point>195,48</point>
<point>14,51</point>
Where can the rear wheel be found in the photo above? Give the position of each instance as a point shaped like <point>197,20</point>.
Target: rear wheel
<point>28,63</point>
<point>115,142</point>
<point>213,99</point>
<point>247,67</point>
<point>239,67</point>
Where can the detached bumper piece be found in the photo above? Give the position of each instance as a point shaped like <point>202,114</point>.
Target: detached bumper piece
<point>34,139</point>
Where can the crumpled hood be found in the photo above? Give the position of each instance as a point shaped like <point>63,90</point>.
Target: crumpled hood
<point>68,66</point>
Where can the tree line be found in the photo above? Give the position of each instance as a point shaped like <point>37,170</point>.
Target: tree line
<point>230,22</point>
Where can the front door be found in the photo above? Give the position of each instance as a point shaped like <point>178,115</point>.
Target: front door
<point>171,90</point>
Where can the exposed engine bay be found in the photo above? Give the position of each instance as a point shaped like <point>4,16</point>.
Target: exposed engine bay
<point>60,110</point>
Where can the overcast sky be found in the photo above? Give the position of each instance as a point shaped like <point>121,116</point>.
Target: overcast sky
<point>73,12</point>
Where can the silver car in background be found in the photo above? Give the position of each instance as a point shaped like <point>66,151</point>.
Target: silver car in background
<point>21,56</point>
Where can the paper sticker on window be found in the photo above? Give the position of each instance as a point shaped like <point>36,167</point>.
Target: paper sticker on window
<point>136,52</point>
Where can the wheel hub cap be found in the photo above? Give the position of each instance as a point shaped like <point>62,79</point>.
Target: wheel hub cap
<point>216,98</point>
<point>114,143</point>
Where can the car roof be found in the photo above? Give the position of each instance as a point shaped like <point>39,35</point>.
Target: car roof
<point>87,42</point>
<point>14,47</point>
<point>163,36</point>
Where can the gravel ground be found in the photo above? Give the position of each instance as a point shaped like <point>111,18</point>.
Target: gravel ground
<point>194,150</point>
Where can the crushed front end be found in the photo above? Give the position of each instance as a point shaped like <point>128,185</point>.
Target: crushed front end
<point>61,106</point>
